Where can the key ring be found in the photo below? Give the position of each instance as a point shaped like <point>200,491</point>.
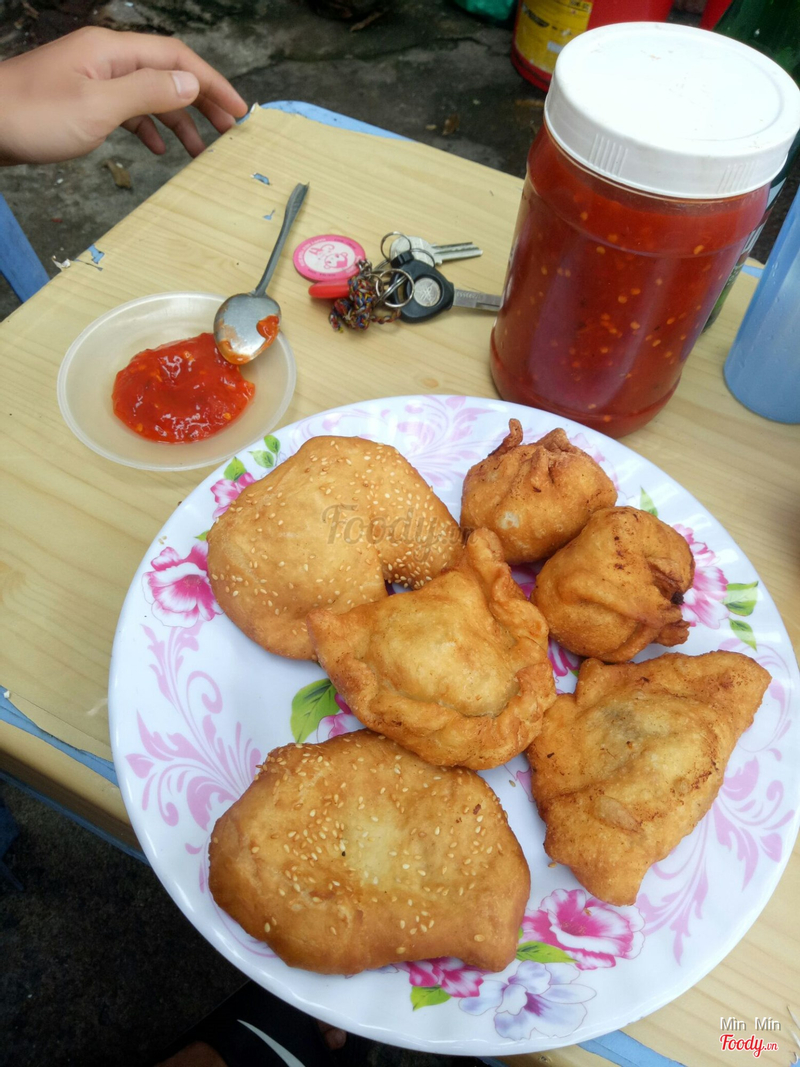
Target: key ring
<point>413,251</point>
<point>385,238</point>
<point>377,276</point>
<point>397,278</point>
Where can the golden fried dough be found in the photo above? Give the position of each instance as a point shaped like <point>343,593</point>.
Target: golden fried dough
<point>535,497</point>
<point>354,853</point>
<point>629,764</point>
<point>325,528</point>
<point>618,586</point>
<point>457,671</point>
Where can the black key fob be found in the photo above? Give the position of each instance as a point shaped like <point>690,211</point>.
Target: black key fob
<point>432,293</point>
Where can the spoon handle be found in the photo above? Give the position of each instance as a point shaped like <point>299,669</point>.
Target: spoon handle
<point>293,205</point>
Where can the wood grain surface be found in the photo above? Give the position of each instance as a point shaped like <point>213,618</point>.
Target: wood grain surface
<point>75,526</point>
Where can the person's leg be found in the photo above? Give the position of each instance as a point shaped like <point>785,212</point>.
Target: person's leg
<point>198,1054</point>
<point>253,1028</point>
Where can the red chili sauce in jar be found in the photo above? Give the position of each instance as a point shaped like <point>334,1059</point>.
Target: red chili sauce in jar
<point>182,391</point>
<point>607,290</point>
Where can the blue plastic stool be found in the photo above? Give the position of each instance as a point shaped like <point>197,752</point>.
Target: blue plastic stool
<point>19,264</point>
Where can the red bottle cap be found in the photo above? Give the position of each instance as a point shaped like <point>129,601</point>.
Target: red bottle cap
<point>328,257</point>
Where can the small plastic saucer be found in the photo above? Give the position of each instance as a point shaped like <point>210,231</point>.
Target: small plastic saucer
<point>87,373</point>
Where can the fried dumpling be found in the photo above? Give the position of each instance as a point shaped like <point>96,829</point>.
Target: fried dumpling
<point>629,764</point>
<point>354,853</point>
<point>618,586</point>
<point>535,497</point>
<point>456,671</point>
<point>326,528</point>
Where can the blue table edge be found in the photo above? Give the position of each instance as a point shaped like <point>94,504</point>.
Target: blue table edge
<point>617,1047</point>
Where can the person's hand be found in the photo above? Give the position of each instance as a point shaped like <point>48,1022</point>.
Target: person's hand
<point>63,99</point>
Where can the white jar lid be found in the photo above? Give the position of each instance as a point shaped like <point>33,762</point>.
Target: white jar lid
<point>672,109</point>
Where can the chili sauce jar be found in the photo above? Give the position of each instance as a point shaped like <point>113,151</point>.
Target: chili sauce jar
<point>651,169</point>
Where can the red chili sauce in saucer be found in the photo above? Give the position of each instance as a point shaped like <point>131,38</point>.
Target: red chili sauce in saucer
<point>182,391</point>
<point>268,328</point>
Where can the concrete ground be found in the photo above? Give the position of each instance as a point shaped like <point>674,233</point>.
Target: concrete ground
<point>98,965</point>
<point>422,63</point>
<point>409,71</point>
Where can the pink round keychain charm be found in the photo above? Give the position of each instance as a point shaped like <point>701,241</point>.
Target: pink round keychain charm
<point>328,257</point>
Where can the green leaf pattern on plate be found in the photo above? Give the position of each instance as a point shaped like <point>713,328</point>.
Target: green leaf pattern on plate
<point>234,470</point>
<point>539,952</point>
<point>426,996</point>
<point>740,598</point>
<point>266,457</point>
<point>744,632</point>
<point>310,705</point>
<point>646,503</point>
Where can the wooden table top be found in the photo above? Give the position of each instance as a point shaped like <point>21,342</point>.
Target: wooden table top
<point>75,525</point>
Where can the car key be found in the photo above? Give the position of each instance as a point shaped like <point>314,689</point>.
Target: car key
<point>430,253</point>
<point>433,293</point>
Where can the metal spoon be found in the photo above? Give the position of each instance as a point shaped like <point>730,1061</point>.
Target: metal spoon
<point>241,318</point>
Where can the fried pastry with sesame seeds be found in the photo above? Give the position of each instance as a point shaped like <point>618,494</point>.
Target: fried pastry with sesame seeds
<point>456,672</point>
<point>355,853</point>
<point>628,765</point>
<point>535,497</point>
<point>327,528</point>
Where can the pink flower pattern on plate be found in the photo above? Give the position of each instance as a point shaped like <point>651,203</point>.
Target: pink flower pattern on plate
<point>343,722</point>
<point>565,665</point>
<point>226,490</point>
<point>437,435</point>
<point>523,778</point>
<point>704,602</point>
<point>178,587</point>
<point>525,576</point>
<point>592,933</point>
<point>207,768</point>
<point>450,975</point>
<point>539,996</point>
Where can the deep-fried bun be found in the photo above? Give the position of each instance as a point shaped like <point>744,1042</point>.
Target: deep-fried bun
<point>354,853</point>
<point>629,764</point>
<point>456,671</point>
<point>535,497</point>
<point>326,528</point>
<point>618,586</point>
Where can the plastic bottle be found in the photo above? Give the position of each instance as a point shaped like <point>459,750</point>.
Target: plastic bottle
<point>771,26</point>
<point>774,29</point>
<point>544,27</point>
<point>652,167</point>
<point>763,366</point>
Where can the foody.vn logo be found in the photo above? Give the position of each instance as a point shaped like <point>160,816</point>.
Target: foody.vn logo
<point>756,1045</point>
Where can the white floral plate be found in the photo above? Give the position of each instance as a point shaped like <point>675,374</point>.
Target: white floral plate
<point>195,706</point>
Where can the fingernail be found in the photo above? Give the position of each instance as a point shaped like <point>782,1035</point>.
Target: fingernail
<point>186,84</point>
